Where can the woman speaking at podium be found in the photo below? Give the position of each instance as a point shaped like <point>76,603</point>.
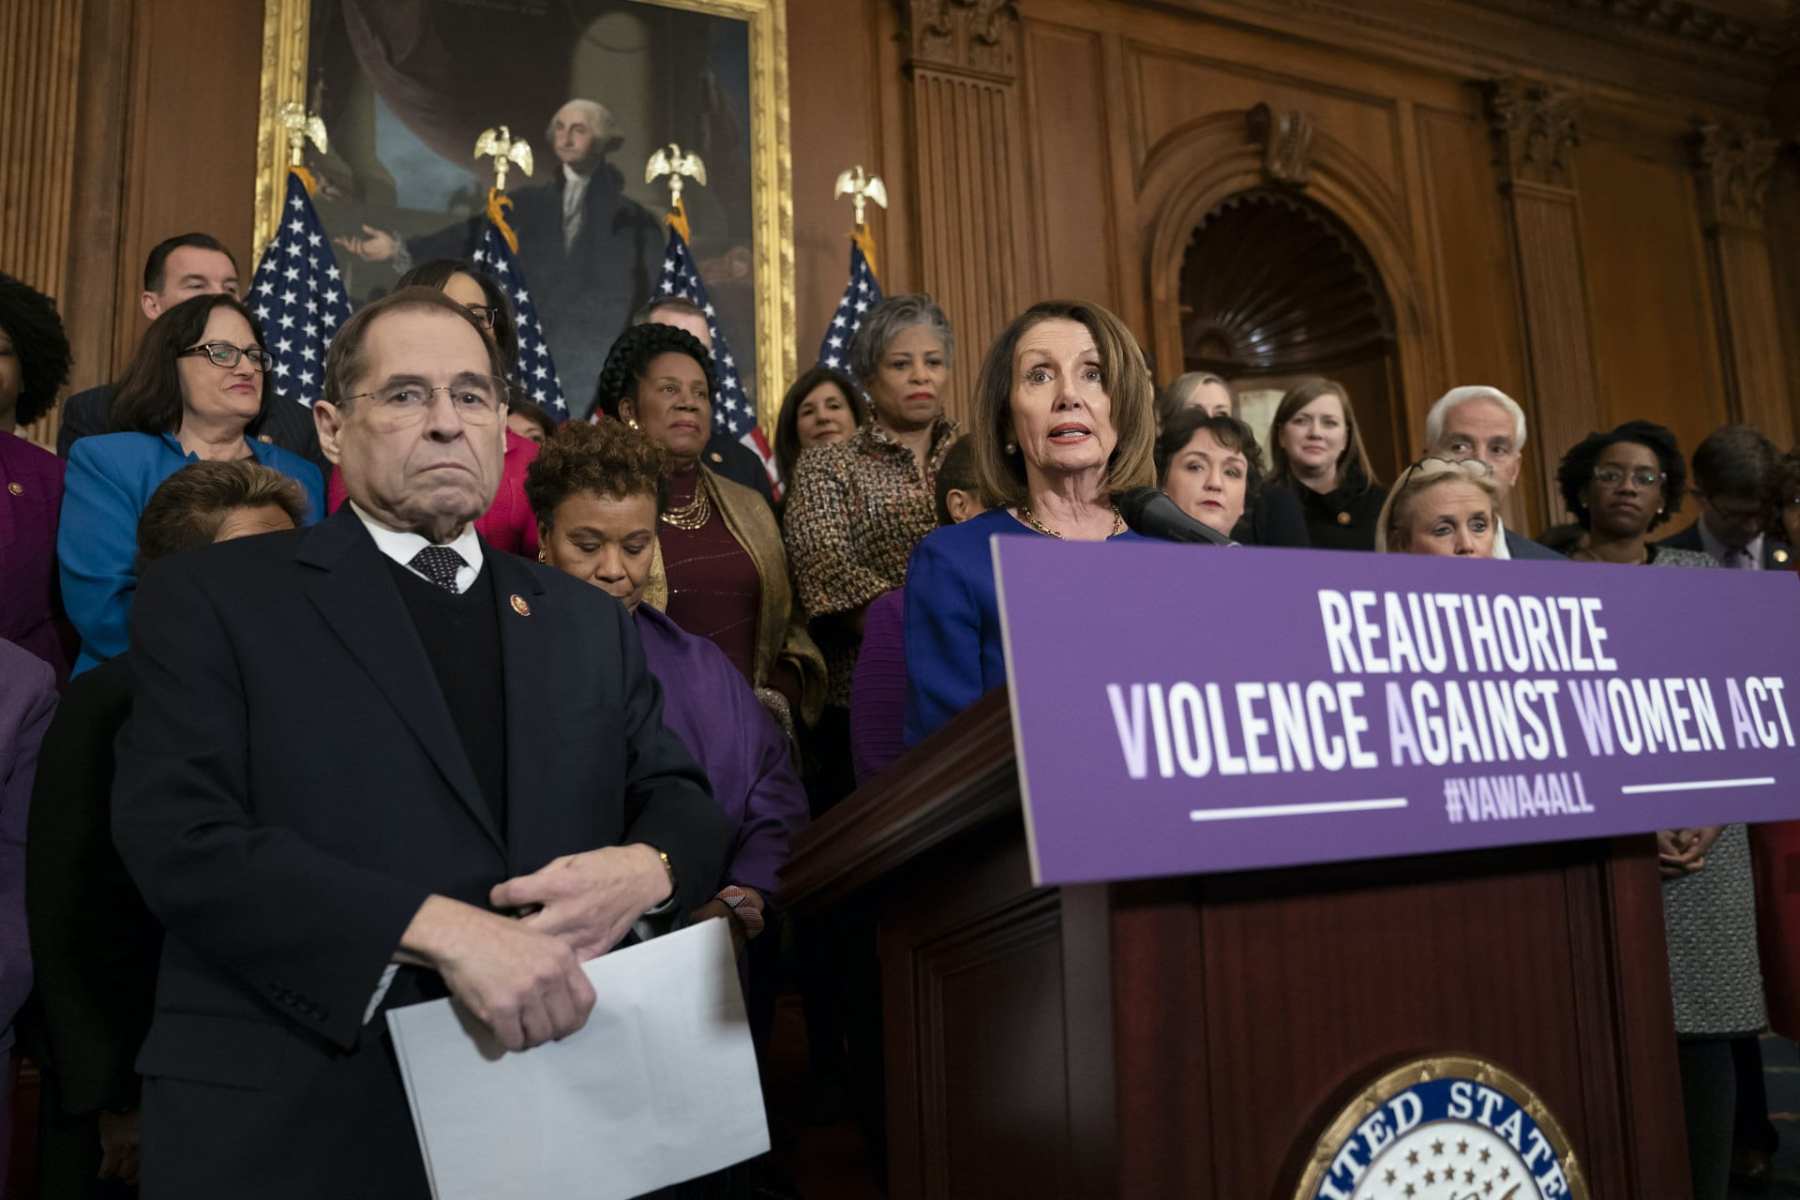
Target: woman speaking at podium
<point>1063,421</point>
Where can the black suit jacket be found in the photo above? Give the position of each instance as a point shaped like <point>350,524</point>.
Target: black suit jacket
<point>93,942</point>
<point>737,462</point>
<point>1523,548</point>
<point>1776,554</point>
<point>287,423</point>
<point>291,787</point>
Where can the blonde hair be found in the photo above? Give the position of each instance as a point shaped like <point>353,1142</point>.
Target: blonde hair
<point>1420,478</point>
<point>1123,374</point>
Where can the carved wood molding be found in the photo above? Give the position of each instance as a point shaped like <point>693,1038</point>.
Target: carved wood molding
<point>1687,22</point>
<point>1734,163</point>
<point>1535,128</point>
<point>1286,140</point>
<point>976,36</point>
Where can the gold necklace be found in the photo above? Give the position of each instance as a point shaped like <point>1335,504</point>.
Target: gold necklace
<point>692,515</point>
<point>1030,518</point>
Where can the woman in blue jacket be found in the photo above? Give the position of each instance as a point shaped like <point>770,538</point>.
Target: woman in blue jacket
<point>197,390</point>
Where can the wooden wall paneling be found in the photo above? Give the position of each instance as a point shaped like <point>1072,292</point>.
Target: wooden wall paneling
<point>1468,250</point>
<point>1065,89</point>
<point>99,279</point>
<point>1656,342</point>
<point>191,161</point>
<point>836,85</point>
<point>1535,133</point>
<point>974,212</point>
<point>1783,217</point>
<point>1734,165</point>
<point>40,52</point>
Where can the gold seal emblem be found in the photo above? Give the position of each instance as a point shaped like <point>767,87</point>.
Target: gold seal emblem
<point>16,488</point>
<point>519,606</point>
<point>1449,1125</point>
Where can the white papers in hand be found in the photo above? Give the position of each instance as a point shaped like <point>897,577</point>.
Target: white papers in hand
<point>658,1087</point>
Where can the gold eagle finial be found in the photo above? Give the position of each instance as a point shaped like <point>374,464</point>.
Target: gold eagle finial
<point>670,160</point>
<point>506,151</point>
<point>861,188</point>
<point>301,127</point>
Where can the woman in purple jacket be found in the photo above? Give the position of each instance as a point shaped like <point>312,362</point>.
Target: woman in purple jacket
<point>34,362</point>
<point>598,494</point>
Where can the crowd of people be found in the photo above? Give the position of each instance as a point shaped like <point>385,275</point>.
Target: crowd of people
<point>282,785</point>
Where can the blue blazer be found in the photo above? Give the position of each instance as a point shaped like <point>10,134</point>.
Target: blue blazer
<point>954,654</point>
<point>109,481</point>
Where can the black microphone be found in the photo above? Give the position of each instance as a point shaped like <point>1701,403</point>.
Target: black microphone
<point>1149,512</point>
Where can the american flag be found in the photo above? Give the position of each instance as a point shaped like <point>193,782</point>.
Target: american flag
<point>537,373</point>
<point>862,293</point>
<point>733,412</point>
<point>298,295</point>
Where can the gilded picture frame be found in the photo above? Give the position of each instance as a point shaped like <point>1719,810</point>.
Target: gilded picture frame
<point>289,26</point>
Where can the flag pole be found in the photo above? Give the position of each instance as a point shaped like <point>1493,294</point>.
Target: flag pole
<point>506,151</point>
<point>680,167</point>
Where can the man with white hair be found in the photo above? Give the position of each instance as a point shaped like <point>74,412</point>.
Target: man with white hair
<point>589,251</point>
<point>1487,424</point>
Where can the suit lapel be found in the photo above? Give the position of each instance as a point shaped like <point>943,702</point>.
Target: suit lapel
<point>355,595</point>
<point>526,654</point>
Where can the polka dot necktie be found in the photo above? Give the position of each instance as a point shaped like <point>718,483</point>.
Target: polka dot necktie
<point>438,564</point>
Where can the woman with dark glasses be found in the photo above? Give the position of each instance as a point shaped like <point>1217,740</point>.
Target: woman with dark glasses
<point>197,391</point>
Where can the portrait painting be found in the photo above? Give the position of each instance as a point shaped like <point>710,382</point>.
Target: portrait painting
<point>594,87</point>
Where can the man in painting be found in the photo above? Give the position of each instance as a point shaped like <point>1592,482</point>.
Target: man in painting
<point>588,251</point>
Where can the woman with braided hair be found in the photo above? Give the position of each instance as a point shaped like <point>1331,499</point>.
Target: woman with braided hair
<point>721,571</point>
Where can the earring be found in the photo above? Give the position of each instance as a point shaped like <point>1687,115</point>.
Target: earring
<point>1012,448</point>
<point>541,557</point>
<point>632,422</point>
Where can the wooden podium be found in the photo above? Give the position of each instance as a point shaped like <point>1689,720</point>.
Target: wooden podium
<point>1192,1037</point>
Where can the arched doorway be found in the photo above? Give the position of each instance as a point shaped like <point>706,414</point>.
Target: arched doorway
<point>1274,288</point>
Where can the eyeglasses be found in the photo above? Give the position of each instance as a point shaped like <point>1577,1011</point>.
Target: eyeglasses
<point>1463,448</point>
<point>477,399</point>
<point>1644,477</point>
<point>485,313</point>
<point>224,354</point>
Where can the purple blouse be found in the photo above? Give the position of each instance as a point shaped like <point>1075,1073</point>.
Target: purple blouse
<point>709,706</point>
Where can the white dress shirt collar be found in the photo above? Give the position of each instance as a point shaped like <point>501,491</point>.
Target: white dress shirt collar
<point>404,547</point>
<point>1501,549</point>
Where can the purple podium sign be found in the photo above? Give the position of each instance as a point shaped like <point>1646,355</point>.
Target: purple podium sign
<point>1181,710</point>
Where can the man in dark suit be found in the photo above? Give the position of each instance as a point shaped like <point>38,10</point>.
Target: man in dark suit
<point>1485,423</point>
<point>724,453</point>
<point>1734,482</point>
<point>177,269</point>
<point>373,762</point>
<point>588,251</point>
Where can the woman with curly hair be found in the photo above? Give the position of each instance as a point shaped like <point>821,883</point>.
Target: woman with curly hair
<point>34,364</point>
<point>1620,485</point>
<point>721,571</point>
<point>599,492</point>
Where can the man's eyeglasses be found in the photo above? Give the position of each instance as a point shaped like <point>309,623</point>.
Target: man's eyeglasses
<point>1644,477</point>
<point>477,399</point>
<point>224,354</point>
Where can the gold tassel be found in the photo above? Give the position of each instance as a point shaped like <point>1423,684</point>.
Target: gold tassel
<point>498,205</point>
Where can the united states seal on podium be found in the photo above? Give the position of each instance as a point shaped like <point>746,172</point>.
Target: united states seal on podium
<point>1445,1127</point>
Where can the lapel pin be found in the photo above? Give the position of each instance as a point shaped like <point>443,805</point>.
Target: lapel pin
<point>1781,556</point>
<point>265,439</point>
<point>716,456</point>
<point>16,488</point>
<point>519,606</point>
